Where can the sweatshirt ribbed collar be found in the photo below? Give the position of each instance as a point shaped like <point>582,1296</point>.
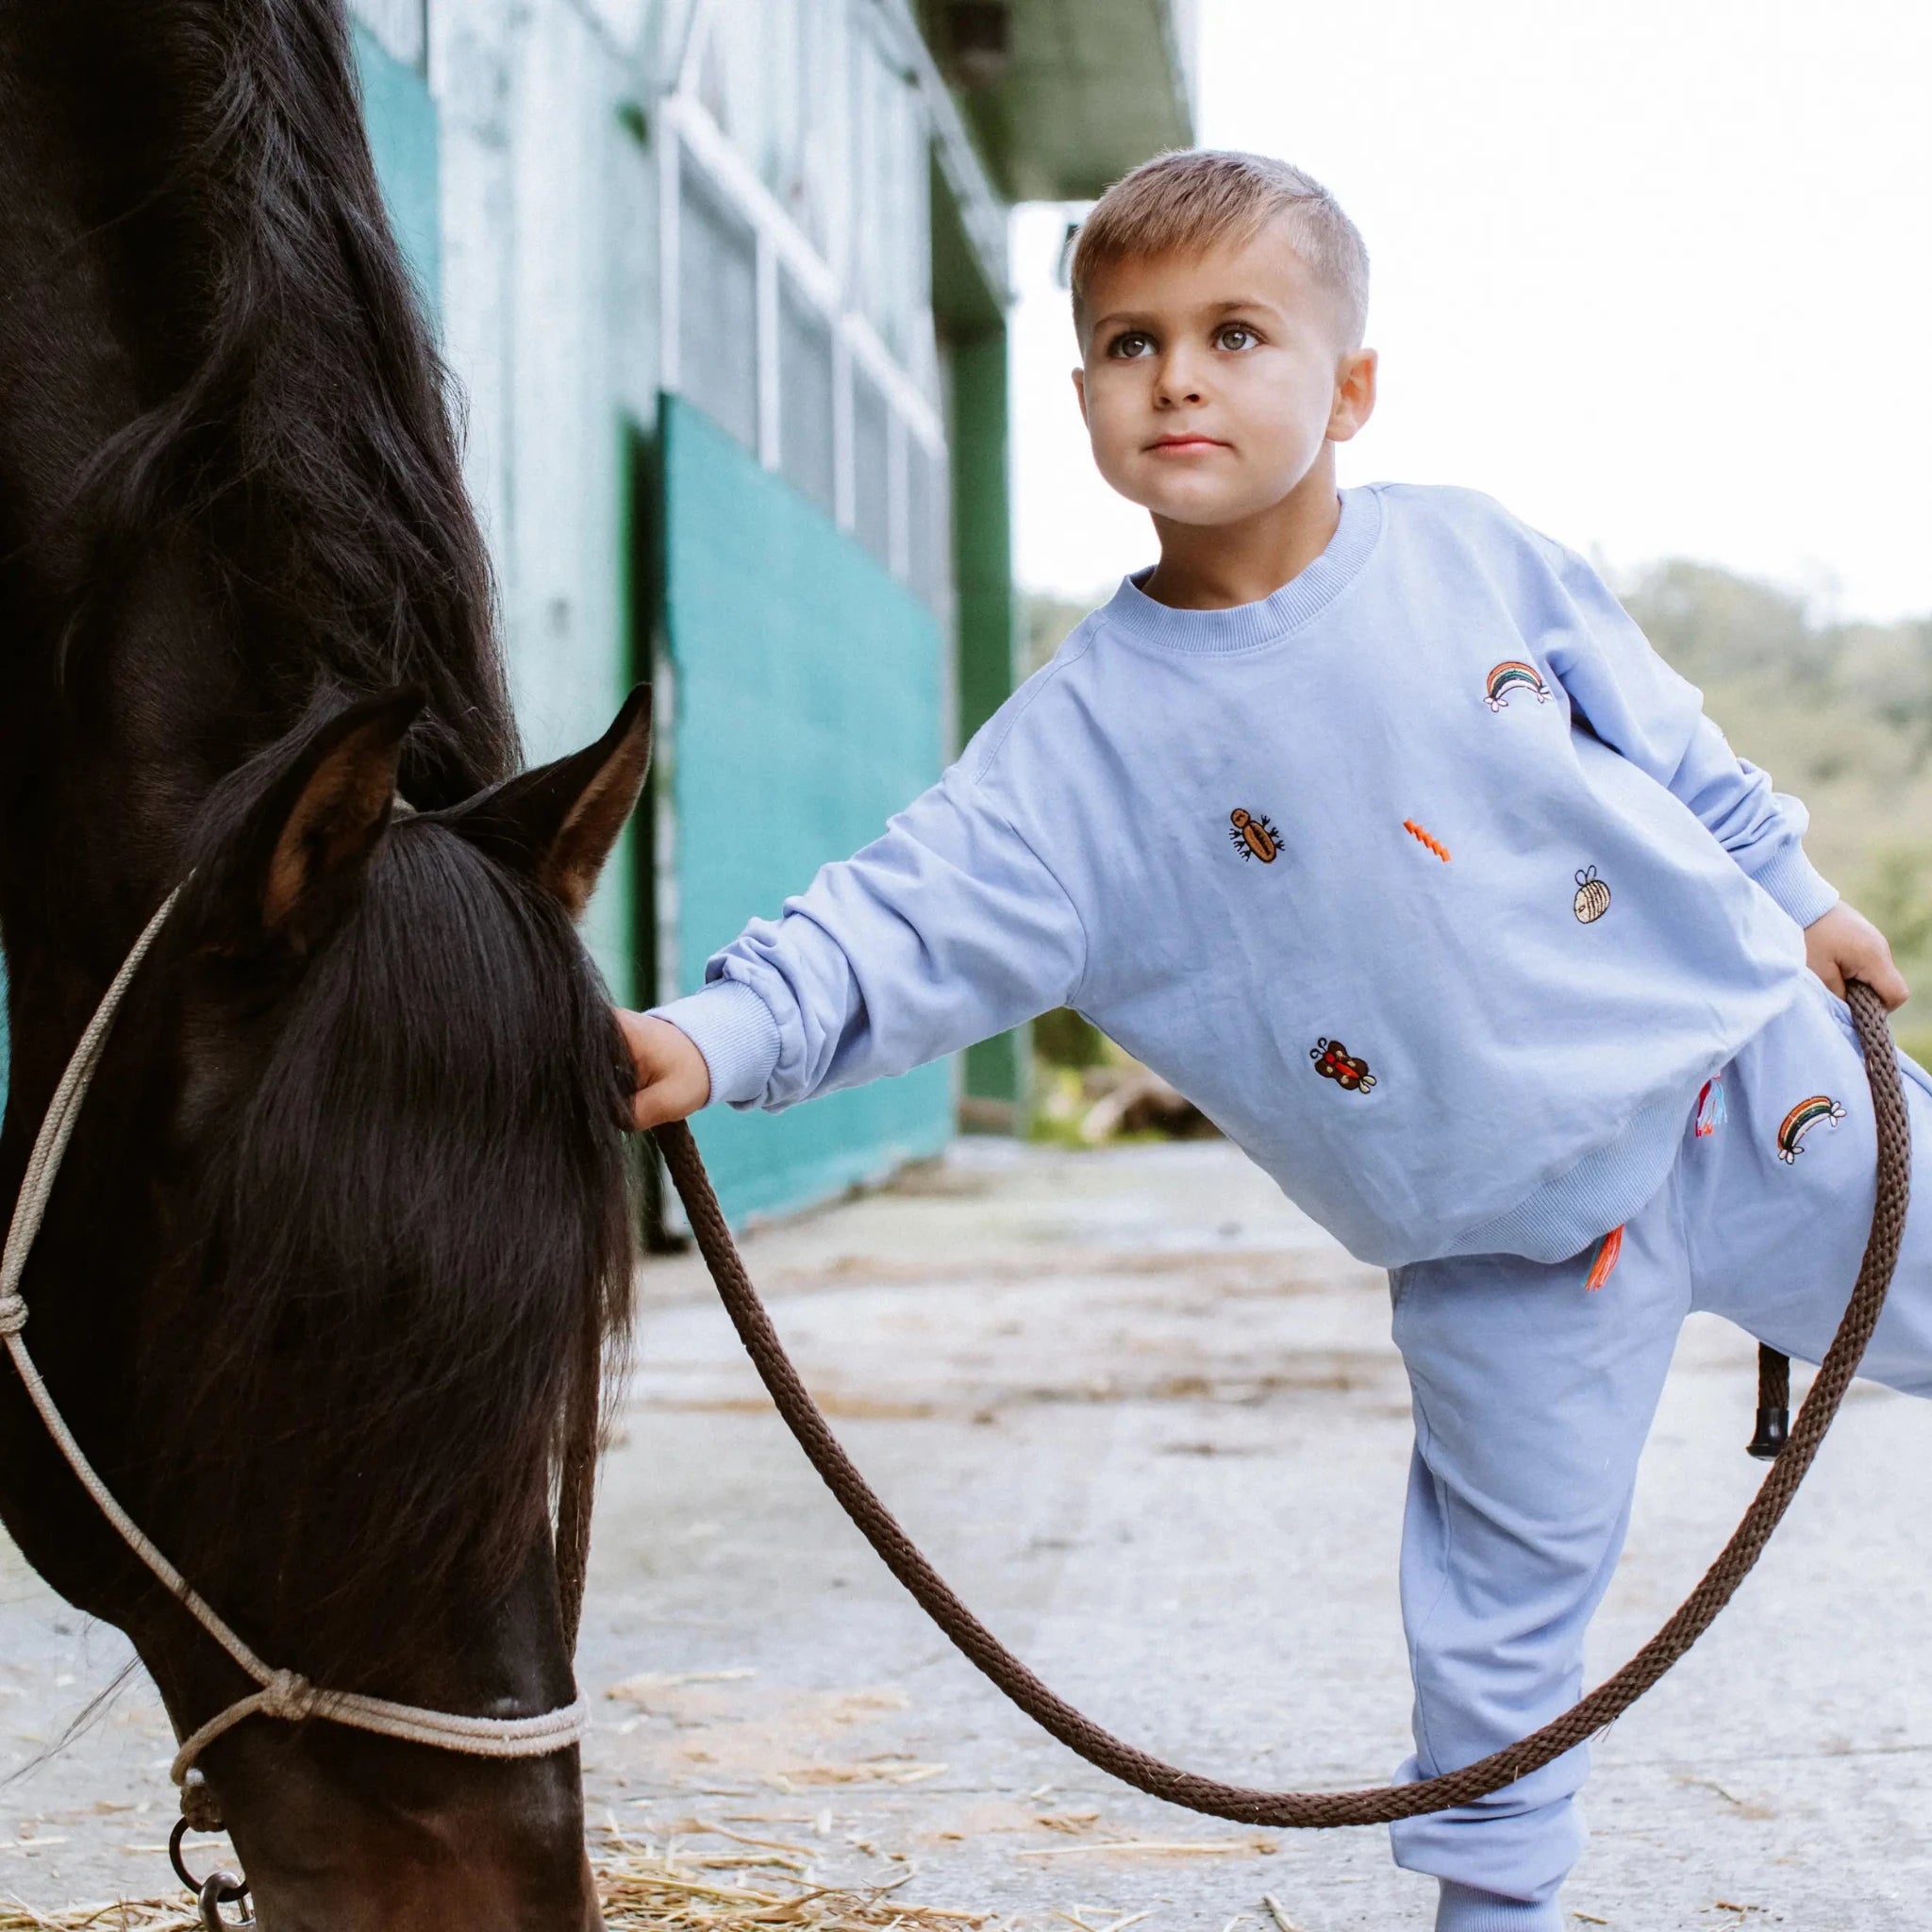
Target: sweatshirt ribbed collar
<point>1243,626</point>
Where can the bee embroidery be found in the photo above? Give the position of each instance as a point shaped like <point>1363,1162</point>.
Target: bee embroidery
<point>1514,674</point>
<point>1333,1061</point>
<point>1593,896</point>
<point>1801,1120</point>
<point>1253,836</point>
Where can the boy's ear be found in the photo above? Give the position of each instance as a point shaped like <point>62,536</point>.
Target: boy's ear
<point>302,849</point>
<point>1355,394</point>
<point>1080,390</point>
<point>556,824</point>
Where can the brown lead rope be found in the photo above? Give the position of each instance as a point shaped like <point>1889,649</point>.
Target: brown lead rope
<point>1774,1405</point>
<point>1608,1702</point>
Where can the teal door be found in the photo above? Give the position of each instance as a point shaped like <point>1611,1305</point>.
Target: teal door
<point>809,709</point>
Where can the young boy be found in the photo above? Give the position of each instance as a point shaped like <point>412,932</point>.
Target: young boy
<point>1373,823</point>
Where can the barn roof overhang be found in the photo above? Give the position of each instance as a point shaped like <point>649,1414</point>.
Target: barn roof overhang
<point>1084,89</point>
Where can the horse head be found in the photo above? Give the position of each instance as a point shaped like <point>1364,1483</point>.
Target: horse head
<point>333,1351</point>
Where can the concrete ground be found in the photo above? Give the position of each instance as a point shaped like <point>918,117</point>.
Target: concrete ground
<point>1146,1418</point>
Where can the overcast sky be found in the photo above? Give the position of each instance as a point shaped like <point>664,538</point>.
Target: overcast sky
<point>1656,275</point>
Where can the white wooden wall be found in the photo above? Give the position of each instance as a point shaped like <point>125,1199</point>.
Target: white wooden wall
<point>549,315</point>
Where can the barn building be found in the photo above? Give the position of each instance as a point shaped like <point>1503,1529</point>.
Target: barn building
<point>724,283</point>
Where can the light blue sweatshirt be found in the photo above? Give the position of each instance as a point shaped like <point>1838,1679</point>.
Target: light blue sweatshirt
<point>1424,877</point>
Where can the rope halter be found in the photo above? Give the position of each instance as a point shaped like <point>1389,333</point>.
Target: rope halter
<point>284,1695</point>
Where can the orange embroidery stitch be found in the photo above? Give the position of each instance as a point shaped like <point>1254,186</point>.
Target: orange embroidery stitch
<point>1606,1258</point>
<point>1435,845</point>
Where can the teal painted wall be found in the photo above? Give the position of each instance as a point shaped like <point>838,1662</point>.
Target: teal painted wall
<point>400,118</point>
<point>808,710</point>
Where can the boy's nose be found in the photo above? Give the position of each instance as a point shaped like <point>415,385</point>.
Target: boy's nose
<point>1177,388</point>
<point>1177,379</point>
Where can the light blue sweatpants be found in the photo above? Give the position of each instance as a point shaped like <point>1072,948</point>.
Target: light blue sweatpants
<point>1533,1394</point>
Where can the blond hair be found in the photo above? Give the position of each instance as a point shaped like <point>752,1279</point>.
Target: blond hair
<point>1193,197</point>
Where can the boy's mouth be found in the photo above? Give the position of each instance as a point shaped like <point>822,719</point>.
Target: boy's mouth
<point>1186,445</point>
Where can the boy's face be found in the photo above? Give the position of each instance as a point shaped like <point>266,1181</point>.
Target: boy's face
<point>1211,381</point>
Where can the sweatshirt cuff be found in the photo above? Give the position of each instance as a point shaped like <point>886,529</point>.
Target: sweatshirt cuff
<point>1463,1908</point>
<point>1792,880</point>
<point>735,1031</point>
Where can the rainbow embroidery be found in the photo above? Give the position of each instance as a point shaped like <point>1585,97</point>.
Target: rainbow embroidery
<point>1710,1107</point>
<point>1514,674</point>
<point>1801,1120</point>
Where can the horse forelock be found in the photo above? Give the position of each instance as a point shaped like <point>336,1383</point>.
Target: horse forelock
<point>414,1244</point>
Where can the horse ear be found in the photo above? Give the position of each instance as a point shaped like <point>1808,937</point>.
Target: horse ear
<point>555,824</point>
<point>312,831</point>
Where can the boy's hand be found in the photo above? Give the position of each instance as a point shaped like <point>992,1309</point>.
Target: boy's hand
<point>672,1078</point>
<point>1844,944</point>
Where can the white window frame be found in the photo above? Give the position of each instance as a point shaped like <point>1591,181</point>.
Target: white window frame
<point>692,138</point>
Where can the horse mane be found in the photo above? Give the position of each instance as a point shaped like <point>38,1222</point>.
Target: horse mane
<point>413,1244</point>
<point>412,1235</point>
<point>296,426</point>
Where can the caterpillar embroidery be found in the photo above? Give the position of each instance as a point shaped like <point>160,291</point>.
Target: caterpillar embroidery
<point>1253,836</point>
<point>1801,1120</point>
<point>1434,845</point>
<point>1593,896</point>
<point>1510,675</point>
<point>1333,1061</point>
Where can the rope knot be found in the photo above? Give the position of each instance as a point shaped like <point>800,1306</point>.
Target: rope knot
<point>12,1314</point>
<point>289,1695</point>
<point>199,1805</point>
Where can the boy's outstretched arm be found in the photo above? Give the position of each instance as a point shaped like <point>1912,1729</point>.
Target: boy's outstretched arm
<point>1641,707</point>
<point>946,930</point>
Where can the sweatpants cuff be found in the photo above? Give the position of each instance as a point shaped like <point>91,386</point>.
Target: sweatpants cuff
<point>1465,1910</point>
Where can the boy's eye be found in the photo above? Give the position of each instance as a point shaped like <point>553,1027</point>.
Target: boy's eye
<point>1234,335</point>
<point>1132,342</point>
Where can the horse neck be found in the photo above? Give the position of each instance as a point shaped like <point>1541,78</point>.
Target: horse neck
<point>105,781</point>
<point>118,221</point>
<point>100,751</point>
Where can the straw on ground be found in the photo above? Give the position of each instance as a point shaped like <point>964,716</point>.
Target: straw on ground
<point>644,1891</point>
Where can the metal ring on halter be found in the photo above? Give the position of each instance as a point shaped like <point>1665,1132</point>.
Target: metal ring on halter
<point>228,1888</point>
<point>213,1893</point>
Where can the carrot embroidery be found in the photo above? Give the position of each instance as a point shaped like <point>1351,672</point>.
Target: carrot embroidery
<point>1607,1250</point>
<point>1435,844</point>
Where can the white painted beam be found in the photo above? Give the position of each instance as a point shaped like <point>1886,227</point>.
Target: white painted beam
<point>980,206</point>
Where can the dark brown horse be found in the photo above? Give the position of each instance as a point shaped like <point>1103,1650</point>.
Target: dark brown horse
<point>343,1229</point>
